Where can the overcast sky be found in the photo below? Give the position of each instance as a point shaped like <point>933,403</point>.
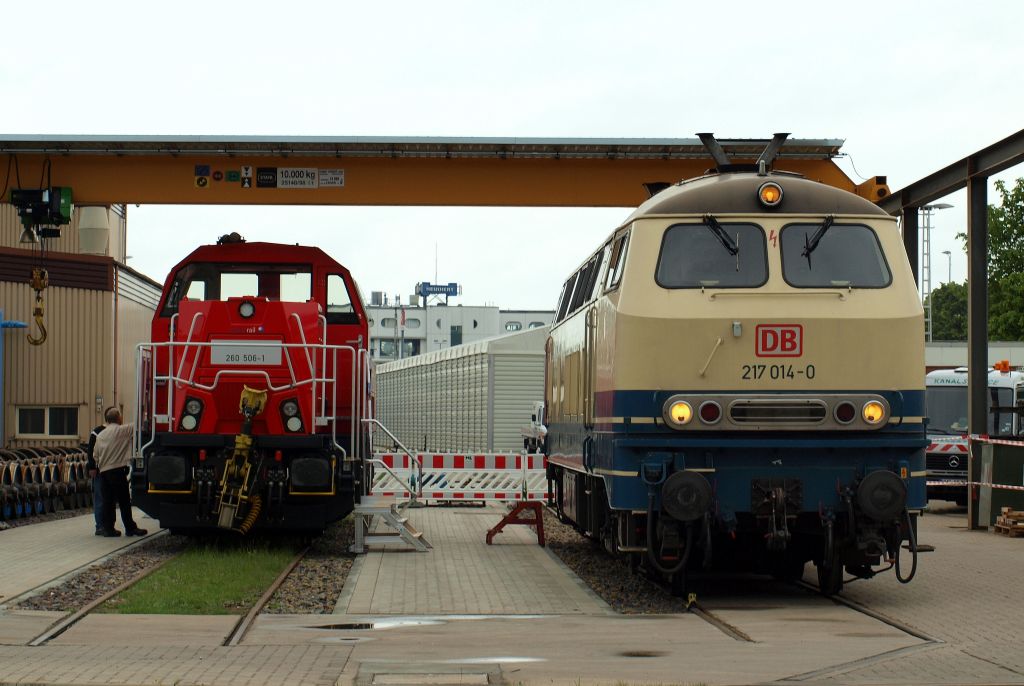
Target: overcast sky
<point>911,86</point>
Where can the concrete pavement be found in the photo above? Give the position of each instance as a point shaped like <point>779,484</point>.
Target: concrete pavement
<point>963,596</point>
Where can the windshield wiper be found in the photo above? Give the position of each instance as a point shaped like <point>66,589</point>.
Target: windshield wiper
<point>811,244</point>
<point>723,237</point>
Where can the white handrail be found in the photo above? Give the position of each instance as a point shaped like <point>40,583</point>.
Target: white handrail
<point>412,460</point>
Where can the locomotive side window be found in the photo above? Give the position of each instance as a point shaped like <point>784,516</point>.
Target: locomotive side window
<point>339,302</point>
<point>699,256</point>
<point>585,283</point>
<point>563,305</point>
<point>830,256</point>
<point>618,261</point>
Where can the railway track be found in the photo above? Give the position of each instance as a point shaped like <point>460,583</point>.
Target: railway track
<point>233,638</point>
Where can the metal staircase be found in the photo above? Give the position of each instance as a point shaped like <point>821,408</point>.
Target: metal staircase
<point>374,511</point>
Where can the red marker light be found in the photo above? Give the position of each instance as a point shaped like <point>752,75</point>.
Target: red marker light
<point>202,454</point>
<point>710,412</point>
<point>277,456</point>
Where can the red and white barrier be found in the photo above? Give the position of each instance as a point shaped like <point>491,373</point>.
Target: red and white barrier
<point>463,477</point>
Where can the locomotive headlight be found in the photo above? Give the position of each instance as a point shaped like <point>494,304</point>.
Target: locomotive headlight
<point>680,412</point>
<point>873,412</point>
<point>246,309</point>
<point>189,422</point>
<point>770,194</point>
<point>289,408</point>
<point>293,424</point>
<point>193,406</point>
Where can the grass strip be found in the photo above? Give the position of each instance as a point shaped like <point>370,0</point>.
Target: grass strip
<point>206,580</point>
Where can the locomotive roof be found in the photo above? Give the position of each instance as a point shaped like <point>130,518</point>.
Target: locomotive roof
<point>736,193</point>
<point>259,252</point>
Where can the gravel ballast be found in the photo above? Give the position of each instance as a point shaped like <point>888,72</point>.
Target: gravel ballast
<point>315,584</point>
<point>93,582</point>
<point>607,576</point>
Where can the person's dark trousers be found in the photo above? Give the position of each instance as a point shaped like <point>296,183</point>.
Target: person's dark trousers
<point>116,493</point>
<point>97,501</point>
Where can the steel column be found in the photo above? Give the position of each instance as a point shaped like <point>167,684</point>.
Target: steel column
<point>977,325</point>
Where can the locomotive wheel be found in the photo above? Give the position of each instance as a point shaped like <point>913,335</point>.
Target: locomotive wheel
<point>830,575</point>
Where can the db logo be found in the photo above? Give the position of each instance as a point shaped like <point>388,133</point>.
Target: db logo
<point>780,340</point>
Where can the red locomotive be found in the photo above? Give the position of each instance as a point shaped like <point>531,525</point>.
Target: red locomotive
<point>252,392</point>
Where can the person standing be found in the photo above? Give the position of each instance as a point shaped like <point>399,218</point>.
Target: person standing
<point>113,453</point>
<point>94,474</point>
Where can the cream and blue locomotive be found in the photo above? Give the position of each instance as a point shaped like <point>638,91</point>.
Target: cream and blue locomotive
<point>734,382</point>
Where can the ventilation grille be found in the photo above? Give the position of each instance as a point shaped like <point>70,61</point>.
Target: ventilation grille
<point>791,412</point>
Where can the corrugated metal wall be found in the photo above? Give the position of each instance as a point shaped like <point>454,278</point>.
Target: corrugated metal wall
<point>518,383</point>
<point>71,368</point>
<point>77,364</point>
<point>475,397</point>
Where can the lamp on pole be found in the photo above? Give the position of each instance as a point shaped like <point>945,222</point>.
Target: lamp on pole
<point>949,265</point>
<point>926,262</point>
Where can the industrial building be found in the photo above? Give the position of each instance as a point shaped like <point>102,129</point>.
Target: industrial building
<point>399,331</point>
<point>96,310</point>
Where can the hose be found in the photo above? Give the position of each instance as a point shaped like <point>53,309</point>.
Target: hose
<point>913,552</point>
<point>650,542</point>
<point>255,505</point>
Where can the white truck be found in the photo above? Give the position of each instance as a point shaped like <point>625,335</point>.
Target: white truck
<point>946,399</point>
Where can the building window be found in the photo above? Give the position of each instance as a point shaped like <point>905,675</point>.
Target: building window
<point>456,334</point>
<point>413,323</point>
<point>389,322</point>
<point>513,326</point>
<point>48,421</point>
<point>536,325</point>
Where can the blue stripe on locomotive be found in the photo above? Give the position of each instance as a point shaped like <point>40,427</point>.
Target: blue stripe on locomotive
<point>821,460</point>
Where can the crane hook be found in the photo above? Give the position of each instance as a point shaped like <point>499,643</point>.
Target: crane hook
<point>39,282</point>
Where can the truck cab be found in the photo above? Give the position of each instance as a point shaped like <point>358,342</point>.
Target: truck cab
<point>946,398</point>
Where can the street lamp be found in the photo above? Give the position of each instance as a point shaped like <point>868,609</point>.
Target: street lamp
<point>926,262</point>
<point>949,265</point>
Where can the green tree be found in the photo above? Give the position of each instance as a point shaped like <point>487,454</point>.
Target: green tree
<point>1006,233</point>
<point>1005,278</point>
<point>949,312</point>
<point>1006,308</point>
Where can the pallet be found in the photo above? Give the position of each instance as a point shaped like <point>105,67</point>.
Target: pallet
<point>1010,531</point>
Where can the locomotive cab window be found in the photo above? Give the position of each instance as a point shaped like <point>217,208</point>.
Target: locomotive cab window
<point>828,255</point>
<point>712,255</point>
<point>217,281</point>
